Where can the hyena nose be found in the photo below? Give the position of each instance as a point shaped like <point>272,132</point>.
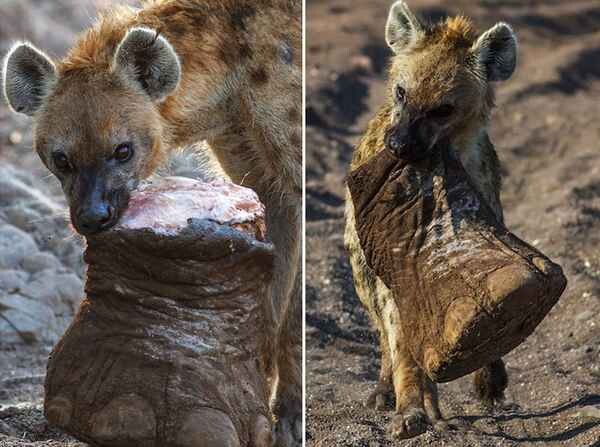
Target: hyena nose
<point>397,140</point>
<point>95,218</point>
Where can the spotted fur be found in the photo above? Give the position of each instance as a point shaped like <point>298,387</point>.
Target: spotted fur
<point>238,88</point>
<point>440,64</point>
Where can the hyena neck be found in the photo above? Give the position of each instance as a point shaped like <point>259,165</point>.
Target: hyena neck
<point>468,143</point>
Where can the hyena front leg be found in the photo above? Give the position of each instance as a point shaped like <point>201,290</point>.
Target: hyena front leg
<point>365,284</point>
<point>366,289</point>
<point>409,381</point>
<point>416,394</point>
<point>379,398</point>
<point>287,403</point>
<point>432,402</point>
<point>284,225</point>
<point>432,406</point>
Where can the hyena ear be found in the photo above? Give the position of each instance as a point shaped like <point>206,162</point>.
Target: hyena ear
<point>402,28</point>
<point>27,77</point>
<point>147,58</point>
<point>496,52</point>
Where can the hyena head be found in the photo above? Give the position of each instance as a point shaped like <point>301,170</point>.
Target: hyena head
<point>97,128</point>
<point>441,75</point>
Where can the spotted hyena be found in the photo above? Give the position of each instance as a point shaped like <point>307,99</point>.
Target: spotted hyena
<point>141,83</point>
<point>440,87</point>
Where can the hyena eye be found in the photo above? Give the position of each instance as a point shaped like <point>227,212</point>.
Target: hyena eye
<point>61,161</point>
<point>123,152</point>
<point>442,112</point>
<point>400,93</point>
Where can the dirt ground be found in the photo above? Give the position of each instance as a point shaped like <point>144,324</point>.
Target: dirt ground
<point>547,133</point>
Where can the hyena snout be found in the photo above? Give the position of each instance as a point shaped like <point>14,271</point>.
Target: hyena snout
<point>408,138</point>
<point>95,207</point>
<point>95,218</point>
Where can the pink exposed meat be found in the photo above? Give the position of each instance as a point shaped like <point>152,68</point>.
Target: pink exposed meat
<point>165,206</point>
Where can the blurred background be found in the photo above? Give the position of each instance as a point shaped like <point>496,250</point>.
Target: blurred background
<point>41,265</point>
<point>546,130</point>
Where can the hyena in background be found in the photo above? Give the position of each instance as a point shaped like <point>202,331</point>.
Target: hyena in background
<point>439,88</point>
<point>143,82</point>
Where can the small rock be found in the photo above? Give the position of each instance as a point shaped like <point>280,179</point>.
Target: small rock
<point>22,217</point>
<point>36,379</point>
<point>70,289</point>
<point>11,281</point>
<point>584,316</point>
<point>60,291</point>
<point>7,429</point>
<point>362,62</point>
<point>589,412</point>
<point>15,137</point>
<point>27,320</point>
<point>39,428</point>
<point>37,262</point>
<point>14,246</point>
<point>586,349</point>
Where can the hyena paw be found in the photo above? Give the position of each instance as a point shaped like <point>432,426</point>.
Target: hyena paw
<point>288,431</point>
<point>408,424</point>
<point>441,426</point>
<point>380,398</point>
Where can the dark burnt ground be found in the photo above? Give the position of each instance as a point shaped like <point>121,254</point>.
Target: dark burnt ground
<point>547,133</point>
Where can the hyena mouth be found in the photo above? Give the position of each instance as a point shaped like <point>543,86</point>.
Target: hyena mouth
<point>412,145</point>
<point>402,145</point>
<point>113,210</point>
